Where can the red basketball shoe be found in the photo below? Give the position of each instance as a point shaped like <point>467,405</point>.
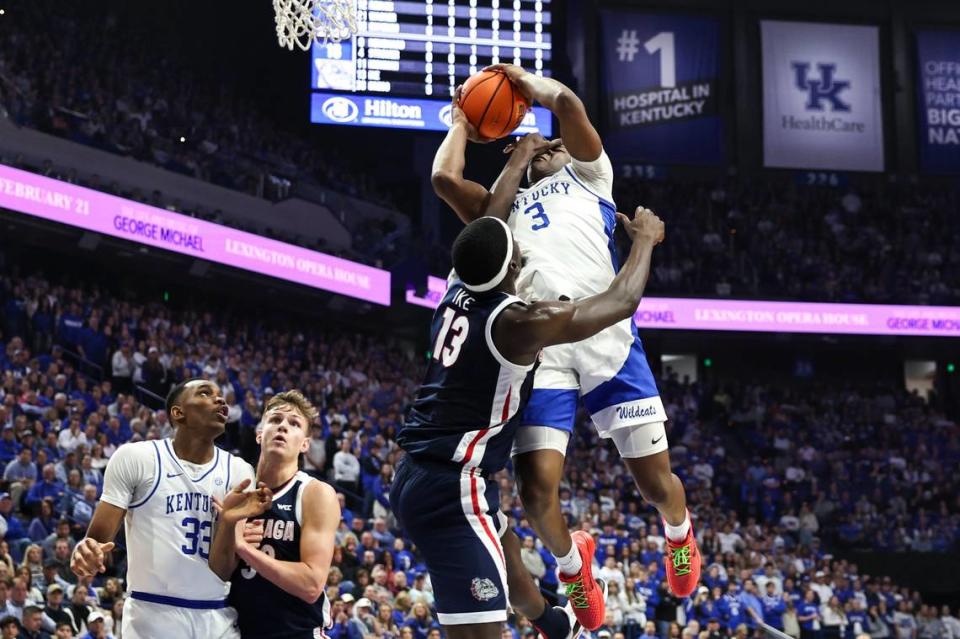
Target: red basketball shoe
<point>585,594</point>
<point>683,565</point>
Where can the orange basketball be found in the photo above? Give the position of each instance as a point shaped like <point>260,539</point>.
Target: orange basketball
<point>493,104</point>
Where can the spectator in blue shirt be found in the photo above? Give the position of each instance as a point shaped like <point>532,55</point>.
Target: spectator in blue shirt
<point>115,432</point>
<point>773,606</point>
<point>16,536</point>
<point>345,513</point>
<point>71,323</point>
<point>731,607</point>
<point>381,490</point>
<point>21,473</point>
<point>403,559</point>
<point>49,486</point>
<point>420,621</point>
<point>751,602</point>
<point>50,446</point>
<point>714,578</point>
<point>382,534</point>
<point>648,586</point>
<point>95,629</point>
<point>651,553</point>
<point>342,627</point>
<point>711,606</point>
<point>791,592</point>
<point>549,581</point>
<point>856,619</point>
<point>45,523</point>
<point>90,474</point>
<point>808,614</point>
<point>93,343</point>
<point>63,468</point>
<point>608,537</point>
<point>83,509</point>
<point>9,447</point>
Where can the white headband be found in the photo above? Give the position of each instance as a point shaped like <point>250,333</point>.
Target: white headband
<point>496,279</point>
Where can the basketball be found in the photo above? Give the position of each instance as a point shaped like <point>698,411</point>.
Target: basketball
<point>493,104</point>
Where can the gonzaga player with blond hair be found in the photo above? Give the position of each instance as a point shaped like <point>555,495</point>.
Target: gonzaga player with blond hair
<point>286,573</point>
<point>564,221</point>
<point>163,492</point>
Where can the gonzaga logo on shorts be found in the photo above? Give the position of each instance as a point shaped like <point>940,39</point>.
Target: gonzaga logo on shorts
<point>483,589</point>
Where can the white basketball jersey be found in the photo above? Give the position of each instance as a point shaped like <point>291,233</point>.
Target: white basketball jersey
<point>169,520</point>
<point>564,224</point>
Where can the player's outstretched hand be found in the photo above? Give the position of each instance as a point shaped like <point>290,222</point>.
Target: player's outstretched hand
<point>532,145</point>
<point>239,504</point>
<point>88,557</point>
<point>644,225</point>
<point>231,499</point>
<point>459,118</point>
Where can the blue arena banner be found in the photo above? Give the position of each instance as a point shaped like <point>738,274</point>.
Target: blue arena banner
<point>402,113</point>
<point>660,82</point>
<point>938,95</point>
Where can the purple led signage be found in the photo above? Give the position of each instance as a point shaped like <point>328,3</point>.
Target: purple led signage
<point>94,211</point>
<point>774,317</point>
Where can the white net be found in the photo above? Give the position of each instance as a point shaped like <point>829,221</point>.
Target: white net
<point>302,22</point>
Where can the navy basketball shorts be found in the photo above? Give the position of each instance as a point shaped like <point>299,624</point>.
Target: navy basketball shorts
<point>454,519</point>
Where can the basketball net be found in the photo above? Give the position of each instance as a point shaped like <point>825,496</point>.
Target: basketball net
<point>303,22</point>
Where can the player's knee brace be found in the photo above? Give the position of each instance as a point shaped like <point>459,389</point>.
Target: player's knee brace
<point>641,440</point>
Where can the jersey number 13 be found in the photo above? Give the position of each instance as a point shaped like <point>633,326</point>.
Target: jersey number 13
<point>451,337</point>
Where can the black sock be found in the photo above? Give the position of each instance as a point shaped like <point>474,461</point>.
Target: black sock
<point>553,623</point>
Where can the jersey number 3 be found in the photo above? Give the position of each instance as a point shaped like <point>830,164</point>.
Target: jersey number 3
<point>456,328</point>
<point>542,221</point>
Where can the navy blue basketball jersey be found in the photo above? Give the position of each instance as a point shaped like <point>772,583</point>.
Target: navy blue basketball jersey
<point>265,610</point>
<point>465,409</point>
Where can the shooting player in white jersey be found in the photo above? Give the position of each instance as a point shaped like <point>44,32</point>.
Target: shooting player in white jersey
<point>277,586</point>
<point>163,492</point>
<point>564,221</point>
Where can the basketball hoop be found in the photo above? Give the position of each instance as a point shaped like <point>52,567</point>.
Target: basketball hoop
<point>303,22</point>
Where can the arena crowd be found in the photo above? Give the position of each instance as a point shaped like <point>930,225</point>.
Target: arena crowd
<point>783,482</point>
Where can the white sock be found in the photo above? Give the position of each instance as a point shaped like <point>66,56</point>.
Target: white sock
<point>677,533</point>
<point>570,564</point>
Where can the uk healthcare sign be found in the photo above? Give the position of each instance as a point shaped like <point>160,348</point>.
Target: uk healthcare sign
<point>938,96</point>
<point>91,210</point>
<point>403,113</point>
<point>821,96</point>
<point>660,88</point>
<point>771,317</point>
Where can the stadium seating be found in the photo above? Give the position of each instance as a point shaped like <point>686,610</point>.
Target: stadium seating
<point>783,482</point>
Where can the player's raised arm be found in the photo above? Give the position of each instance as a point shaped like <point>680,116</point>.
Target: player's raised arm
<point>579,136</point>
<point>521,331</point>
<point>306,578</point>
<point>467,198</point>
